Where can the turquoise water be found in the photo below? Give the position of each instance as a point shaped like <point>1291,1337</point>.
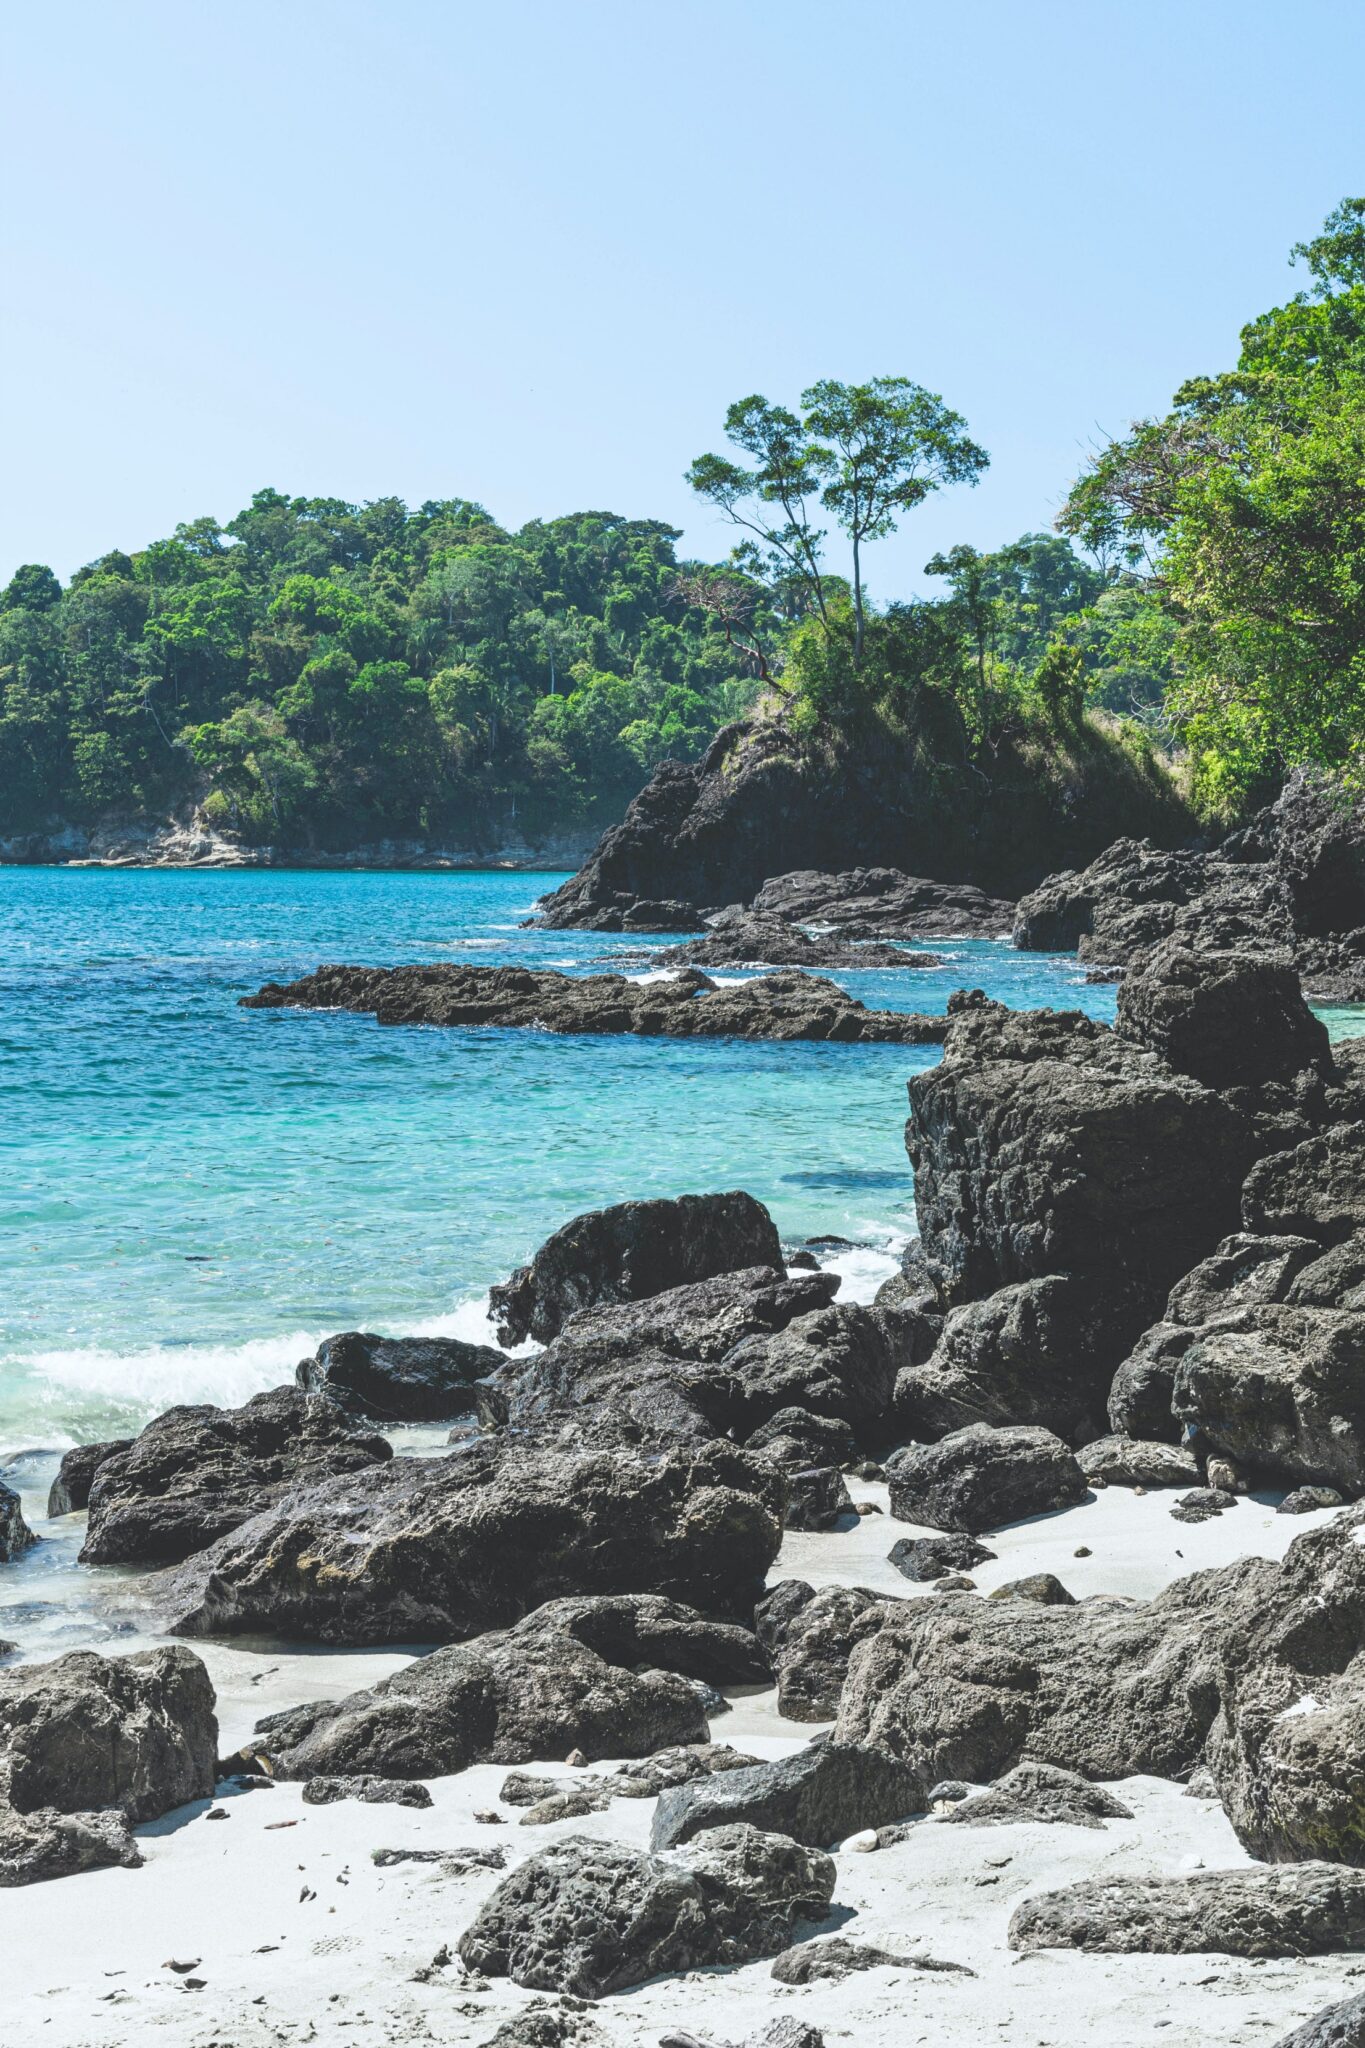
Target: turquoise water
<point>194,1194</point>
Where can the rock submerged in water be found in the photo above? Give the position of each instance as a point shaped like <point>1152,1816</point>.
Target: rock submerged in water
<point>398,1379</point>
<point>629,1253</point>
<point>591,1917</point>
<point>785,1005</point>
<point>740,938</point>
<point>197,1473</point>
<point>15,1535</point>
<point>454,1546</point>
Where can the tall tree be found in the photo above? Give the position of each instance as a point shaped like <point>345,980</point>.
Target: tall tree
<point>883,447</point>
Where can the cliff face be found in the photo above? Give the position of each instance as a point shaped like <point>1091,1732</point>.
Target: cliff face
<point>764,801</point>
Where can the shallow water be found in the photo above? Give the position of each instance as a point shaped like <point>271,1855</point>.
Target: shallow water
<point>194,1193</point>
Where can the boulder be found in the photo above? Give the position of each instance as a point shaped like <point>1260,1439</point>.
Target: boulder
<point>1232,1020</point>
<point>1120,1461</point>
<point>398,1379</point>
<point>46,1844</point>
<point>933,1557</point>
<point>15,1535</point>
<point>981,1478</point>
<point>1306,1500</point>
<point>1044,1143</point>
<point>796,1436</point>
<point>1336,2026</point>
<point>1039,1351</point>
<point>1136,896</point>
<point>506,1698</point>
<point>196,1473</point>
<point>1143,1386</point>
<point>452,1547</point>
<point>70,1490</point>
<point>817,1497</point>
<point>1312,1910</point>
<point>630,1252</point>
<point>819,1796</point>
<point>967,1688</point>
<point>1044,1589</point>
<point>1039,1792</point>
<point>591,1917</point>
<point>1279,1391</point>
<point>722,1357</point>
<point>134,1734</point>
<point>787,1005</point>
<point>810,1637</point>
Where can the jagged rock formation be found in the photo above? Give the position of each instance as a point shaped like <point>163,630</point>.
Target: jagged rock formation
<point>1292,885</point>
<point>398,1379</point>
<point>689,1004</point>
<point>743,938</point>
<point>764,802</point>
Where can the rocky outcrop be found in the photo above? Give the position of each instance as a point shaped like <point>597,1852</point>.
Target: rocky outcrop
<point>630,1252</point>
<point>820,1796</point>
<point>591,1917</point>
<point>1290,886</point>
<point>1231,1020</point>
<point>90,1744</point>
<point>768,801</point>
<point>606,1677</point>
<point>788,1005</point>
<point>743,938</point>
<point>15,1535</point>
<point>862,903</point>
<point>398,1379</point>
<point>980,1478</point>
<point>1278,1390</point>
<point>1315,1909</point>
<point>196,1473</point>
<point>453,1547</point>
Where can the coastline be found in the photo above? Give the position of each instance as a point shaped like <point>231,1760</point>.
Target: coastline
<point>179,844</point>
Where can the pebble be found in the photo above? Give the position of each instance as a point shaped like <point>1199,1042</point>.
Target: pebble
<point>1083,1550</point>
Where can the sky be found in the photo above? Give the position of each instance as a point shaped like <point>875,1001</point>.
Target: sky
<point>529,253</point>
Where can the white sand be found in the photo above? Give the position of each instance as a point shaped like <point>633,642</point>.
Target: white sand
<point>299,1937</point>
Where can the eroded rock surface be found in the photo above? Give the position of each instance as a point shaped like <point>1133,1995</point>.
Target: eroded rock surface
<point>982,1478</point>
<point>1312,1910</point>
<point>399,1379</point>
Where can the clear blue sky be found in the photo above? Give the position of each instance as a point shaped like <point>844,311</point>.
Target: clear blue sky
<point>527,253</point>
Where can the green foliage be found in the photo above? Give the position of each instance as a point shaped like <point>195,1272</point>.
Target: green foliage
<point>1248,499</point>
<point>328,673</point>
<point>869,452</point>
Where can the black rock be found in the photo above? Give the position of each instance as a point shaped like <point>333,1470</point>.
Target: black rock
<point>1232,1020</point>
<point>591,1917</point>
<point>819,1796</point>
<point>398,1379</point>
<point>932,1557</point>
<point>196,1473</point>
<point>816,1497</point>
<point>70,1490</point>
<point>1304,1500</point>
<point>1040,1793</point>
<point>630,1252</point>
<point>1278,1391</point>
<point>740,938</point>
<point>786,1005</point>
<point>1202,1503</point>
<point>877,902</point>
<point>15,1535</point>
<point>981,1478</point>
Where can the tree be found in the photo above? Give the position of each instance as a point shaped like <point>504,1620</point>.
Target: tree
<point>788,470</point>
<point>1250,494</point>
<point>890,444</point>
<point>868,451</point>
